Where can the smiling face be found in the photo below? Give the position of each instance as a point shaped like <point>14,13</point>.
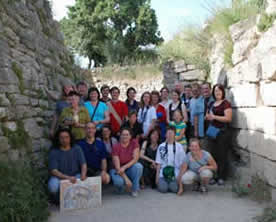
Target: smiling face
<point>196,91</point>
<point>154,137</point>
<point>164,94</point>
<point>90,130</point>
<point>205,90</point>
<point>94,96</point>
<point>131,94</point>
<point>64,139</point>
<point>154,99</point>
<point>177,116</point>
<point>82,90</point>
<point>175,97</point>
<point>195,147</point>
<point>125,137</point>
<point>106,133</point>
<point>218,93</point>
<point>133,118</point>
<point>105,92</point>
<point>75,100</point>
<point>67,89</point>
<point>146,99</point>
<point>170,135</point>
<point>115,94</point>
<point>188,92</point>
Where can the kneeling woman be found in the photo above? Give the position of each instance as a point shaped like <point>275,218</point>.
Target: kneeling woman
<point>169,158</point>
<point>127,170</point>
<point>198,168</point>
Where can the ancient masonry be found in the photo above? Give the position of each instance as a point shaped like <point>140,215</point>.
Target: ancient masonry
<point>33,58</point>
<point>251,87</point>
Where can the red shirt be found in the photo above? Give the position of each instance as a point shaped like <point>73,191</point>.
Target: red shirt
<point>125,154</point>
<point>122,111</point>
<point>219,111</point>
<point>161,110</point>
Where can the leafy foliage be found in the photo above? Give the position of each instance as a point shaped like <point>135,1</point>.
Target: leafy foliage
<point>196,47</point>
<point>110,30</point>
<point>22,195</point>
<point>266,22</point>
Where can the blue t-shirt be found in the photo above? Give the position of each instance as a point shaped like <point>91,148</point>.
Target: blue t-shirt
<point>61,105</point>
<point>197,109</point>
<point>196,165</point>
<point>67,162</point>
<point>99,115</point>
<point>94,153</point>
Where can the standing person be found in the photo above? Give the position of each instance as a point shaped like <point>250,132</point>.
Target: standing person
<point>118,111</point>
<point>75,117</point>
<point>179,88</point>
<point>208,100</point>
<point>98,111</point>
<point>105,94</point>
<point>147,114</point>
<point>169,159</point>
<point>60,105</point>
<point>109,141</point>
<point>134,125</point>
<point>180,128</point>
<point>220,115</point>
<point>160,112</point>
<point>95,154</point>
<point>165,101</point>
<point>197,112</point>
<point>128,171</point>
<point>132,104</point>
<point>82,91</point>
<point>66,162</point>
<point>198,168</point>
<point>176,104</point>
<point>186,98</point>
<point>148,156</point>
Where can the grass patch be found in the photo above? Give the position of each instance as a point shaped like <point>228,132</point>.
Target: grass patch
<point>134,72</point>
<point>23,197</point>
<point>19,73</point>
<point>266,22</point>
<point>18,139</point>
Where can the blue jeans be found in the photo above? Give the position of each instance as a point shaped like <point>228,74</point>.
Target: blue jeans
<point>54,185</point>
<point>134,173</point>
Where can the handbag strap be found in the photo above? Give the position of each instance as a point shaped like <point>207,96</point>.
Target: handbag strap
<point>114,113</point>
<point>94,112</point>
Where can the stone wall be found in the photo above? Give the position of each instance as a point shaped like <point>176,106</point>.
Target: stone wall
<point>251,87</point>
<point>32,57</point>
<point>180,71</point>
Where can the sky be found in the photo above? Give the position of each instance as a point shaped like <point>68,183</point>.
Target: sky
<point>171,14</point>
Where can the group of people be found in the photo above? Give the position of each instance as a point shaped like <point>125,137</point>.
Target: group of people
<point>167,140</point>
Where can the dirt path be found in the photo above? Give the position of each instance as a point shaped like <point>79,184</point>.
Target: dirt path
<point>219,205</point>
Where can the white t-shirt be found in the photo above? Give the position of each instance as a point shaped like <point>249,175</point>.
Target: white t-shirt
<point>168,158</point>
<point>166,104</point>
<point>146,116</point>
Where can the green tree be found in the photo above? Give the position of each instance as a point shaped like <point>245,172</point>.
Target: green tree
<point>110,30</point>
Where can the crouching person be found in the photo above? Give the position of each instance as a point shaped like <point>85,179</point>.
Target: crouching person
<point>128,171</point>
<point>66,161</point>
<point>95,154</point>
<point>198,168</point>
<point>169,158</point>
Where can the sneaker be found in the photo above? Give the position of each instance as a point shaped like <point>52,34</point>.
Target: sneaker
<point>134,193</point>
<point>203,189</point>
<point>212,182</point>
<point>221,182</point>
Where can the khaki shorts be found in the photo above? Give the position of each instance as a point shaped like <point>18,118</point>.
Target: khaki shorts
<point>190,176</point>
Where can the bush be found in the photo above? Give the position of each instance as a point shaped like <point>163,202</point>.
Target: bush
<point>23,197</point>
<point>266,22</point>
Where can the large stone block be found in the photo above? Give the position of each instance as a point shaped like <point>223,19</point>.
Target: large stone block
<point>268,92</point>
<point>180,66</point>
<point>4,144</point>
<point>259,143</point>
<point>7,76</point>
<point>4,100</point>
<point>192,75</point>
<point>3,113</point>
<point>269,172</point>
<point>271,6</point>
<point>258,119</point>
<point>33,129</point>
<point>244,95</point>
<point>269,65</point>
<point>257,165</point>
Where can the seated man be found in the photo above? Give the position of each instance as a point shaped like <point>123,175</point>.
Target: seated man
<point>65,162</point>
<point>197,169</point>
<point>95,154</point>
